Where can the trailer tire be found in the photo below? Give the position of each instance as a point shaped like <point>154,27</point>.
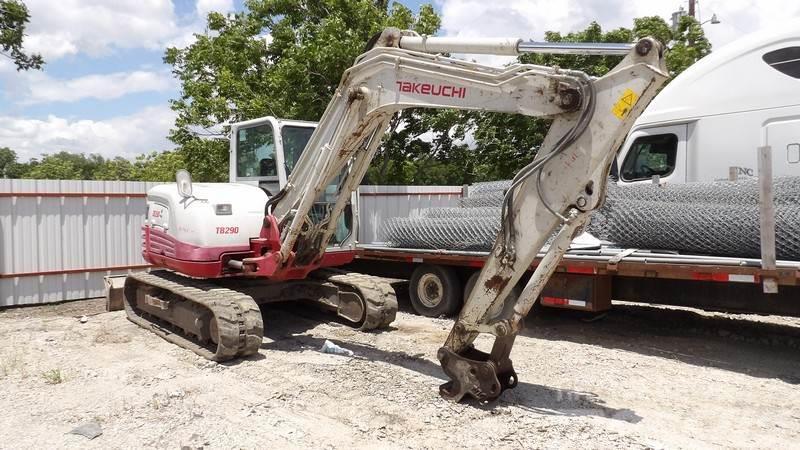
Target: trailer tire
<point>435,290</point>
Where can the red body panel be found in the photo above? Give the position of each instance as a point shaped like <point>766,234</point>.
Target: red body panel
<point>260,259</point>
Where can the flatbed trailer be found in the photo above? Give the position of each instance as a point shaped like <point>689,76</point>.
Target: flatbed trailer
<point>587,279</point>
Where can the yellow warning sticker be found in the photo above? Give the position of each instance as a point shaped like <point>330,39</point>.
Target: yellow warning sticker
<point>625,104</point>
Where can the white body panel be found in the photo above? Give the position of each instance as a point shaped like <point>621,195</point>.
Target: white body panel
<point>194,220</point>
<point>723,108</point>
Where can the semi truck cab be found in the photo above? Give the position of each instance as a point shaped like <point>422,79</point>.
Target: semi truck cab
<point>714,116</point>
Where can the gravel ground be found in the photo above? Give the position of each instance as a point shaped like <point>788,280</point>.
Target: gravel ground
<point>639,377</point>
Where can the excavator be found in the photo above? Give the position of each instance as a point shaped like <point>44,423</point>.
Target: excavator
<point>224,248</point>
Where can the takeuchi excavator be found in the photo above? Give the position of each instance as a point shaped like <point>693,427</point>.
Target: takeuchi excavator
<point>228,247</point>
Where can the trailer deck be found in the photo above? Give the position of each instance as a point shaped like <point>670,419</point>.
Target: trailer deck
<point>588,278</point>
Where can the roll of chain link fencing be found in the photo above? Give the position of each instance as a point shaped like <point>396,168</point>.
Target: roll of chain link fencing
<point>716,218</point>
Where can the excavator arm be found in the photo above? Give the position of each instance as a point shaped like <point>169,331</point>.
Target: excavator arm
<point>551,197</point>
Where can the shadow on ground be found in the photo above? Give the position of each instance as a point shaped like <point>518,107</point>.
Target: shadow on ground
<point>739,344</point>
<point>285,326</point>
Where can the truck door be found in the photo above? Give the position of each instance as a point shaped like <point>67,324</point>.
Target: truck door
<point>658,151</point>
<point>783,135</point>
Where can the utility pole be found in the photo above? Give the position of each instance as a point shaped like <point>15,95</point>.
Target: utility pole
<point>691,9</point>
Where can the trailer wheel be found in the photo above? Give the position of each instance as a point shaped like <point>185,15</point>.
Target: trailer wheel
<point>435,290</point>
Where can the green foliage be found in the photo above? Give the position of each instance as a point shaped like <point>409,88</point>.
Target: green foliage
<point>506,143</point>
<point>118,168</point>
<point>14,17</point>
<point>231,74</point>
<point>205,159</point>
<point>53,376</point>
<point>78,166</point>
<point>65,166</point>
<point>157,166</point>
<point>423,147</point>
<point>689,44</point>
<point>8,158</point>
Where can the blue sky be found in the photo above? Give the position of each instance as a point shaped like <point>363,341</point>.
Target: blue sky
<point>105,89</point>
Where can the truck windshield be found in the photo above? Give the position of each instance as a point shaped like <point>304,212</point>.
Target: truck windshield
<point>295,140</point>
<point>255,152</point>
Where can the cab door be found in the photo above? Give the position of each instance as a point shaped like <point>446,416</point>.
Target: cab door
<point>255,154</point>
<point>783,135</point>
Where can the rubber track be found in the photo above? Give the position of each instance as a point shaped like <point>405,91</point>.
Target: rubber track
<point>379,296</point>
<point>238,317</point>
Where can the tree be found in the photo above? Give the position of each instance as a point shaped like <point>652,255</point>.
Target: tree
<point>157,166</point>
<point>153,166</point>
<point>8,158</point>
<point>688,45</point>
<point>506,143</point>
<point>279,57</point>
<point>14,17</point>
<point>118,168</point>
<point>65,166</point>
<point>286,57</point>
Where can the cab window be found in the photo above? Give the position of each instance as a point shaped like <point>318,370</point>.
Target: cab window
<point>255,152</point>
<point>295,140</point>
<point>785,60</point>
<point>649,156</point>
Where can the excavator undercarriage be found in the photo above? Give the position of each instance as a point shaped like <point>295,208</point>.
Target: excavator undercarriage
<point>220,319</point>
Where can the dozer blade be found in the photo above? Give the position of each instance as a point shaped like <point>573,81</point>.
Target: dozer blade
<point>216,323</point>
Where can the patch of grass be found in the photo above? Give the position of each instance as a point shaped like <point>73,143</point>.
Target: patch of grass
<point>11,364</point>
<point>53,376</point>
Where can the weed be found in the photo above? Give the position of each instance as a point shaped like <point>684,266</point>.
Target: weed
<point>11,364</point>
<point>53,376</point>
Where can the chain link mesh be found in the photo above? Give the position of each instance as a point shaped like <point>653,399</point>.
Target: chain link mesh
<point>717,218</point>
<point>477,233</point>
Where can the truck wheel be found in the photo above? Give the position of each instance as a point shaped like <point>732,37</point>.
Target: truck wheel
<point>435,291</point>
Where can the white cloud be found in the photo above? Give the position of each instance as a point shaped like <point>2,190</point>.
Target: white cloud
<point>40,88</point>
<point>529,19</point>
<point>96,27</point>
<point>126,136</point>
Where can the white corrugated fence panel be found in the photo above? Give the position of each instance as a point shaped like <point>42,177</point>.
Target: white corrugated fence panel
<point>378,203</point>
<point>59,246</point>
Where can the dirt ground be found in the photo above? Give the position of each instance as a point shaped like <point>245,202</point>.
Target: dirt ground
<point>640,377</point>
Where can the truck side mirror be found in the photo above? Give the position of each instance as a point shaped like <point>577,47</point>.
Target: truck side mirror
<point>184,180</point>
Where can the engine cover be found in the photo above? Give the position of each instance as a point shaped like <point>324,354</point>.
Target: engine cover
<point>219,218</point>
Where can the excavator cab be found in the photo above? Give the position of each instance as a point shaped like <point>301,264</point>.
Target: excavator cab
<point>264,151</point>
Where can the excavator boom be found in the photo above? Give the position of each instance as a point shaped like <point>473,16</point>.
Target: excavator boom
<point>553,195</point>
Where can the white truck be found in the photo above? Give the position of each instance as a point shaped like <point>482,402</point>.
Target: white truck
<point>713,116</point>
